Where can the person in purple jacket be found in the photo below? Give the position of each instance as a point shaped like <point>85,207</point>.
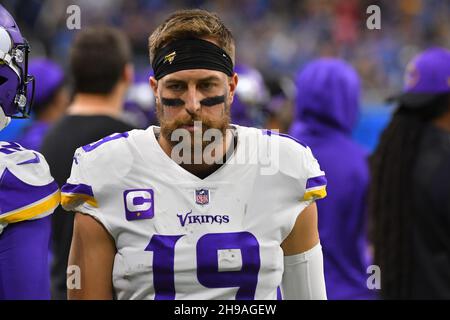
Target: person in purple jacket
<point>326,111</point>
<point>50,101</point>
<point>28,193</point>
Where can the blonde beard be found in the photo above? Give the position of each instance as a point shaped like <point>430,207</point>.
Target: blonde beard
<point>168,127</point>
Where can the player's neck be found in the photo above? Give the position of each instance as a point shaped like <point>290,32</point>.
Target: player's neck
<point>204,169</point>
<point>93,104</point>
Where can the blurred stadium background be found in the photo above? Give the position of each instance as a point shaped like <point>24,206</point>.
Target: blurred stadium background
<point>276,37</point>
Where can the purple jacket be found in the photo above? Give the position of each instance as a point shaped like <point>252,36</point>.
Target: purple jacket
<point>326,112</point>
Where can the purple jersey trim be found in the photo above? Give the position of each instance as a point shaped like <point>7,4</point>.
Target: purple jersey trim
<point>316,182</point>
<point>268,132</point>
<point>10,147</point>
<point>78,189</point>
<point>36,159</point>
<point>279,295</point>
<point>16,194</point>
<point>92,146</point>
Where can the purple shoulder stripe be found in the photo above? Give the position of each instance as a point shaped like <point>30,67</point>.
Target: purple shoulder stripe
<point>78,189</point>
<point>92,146</point>
<point>316,182</point>
<point>35,159</point>
<point>268,132</point>
<point>15,194</point>
<point>10,147</point>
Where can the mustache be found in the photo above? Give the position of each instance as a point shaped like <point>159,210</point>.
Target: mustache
<point>190,120</point>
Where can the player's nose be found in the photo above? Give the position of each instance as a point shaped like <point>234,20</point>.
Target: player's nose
<point>192,100</point>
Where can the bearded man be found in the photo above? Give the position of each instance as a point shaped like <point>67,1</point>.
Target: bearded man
<point>197,208</point>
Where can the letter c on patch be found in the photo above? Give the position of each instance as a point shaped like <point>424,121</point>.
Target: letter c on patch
<point>139,204</point>
<point>139,201</point>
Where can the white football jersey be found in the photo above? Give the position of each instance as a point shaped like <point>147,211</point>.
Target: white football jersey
<point>27,189</point>
<point>182,237</point>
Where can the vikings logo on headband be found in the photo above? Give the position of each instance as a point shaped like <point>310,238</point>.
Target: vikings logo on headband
<point>170,57</point>
<point>188,54</point>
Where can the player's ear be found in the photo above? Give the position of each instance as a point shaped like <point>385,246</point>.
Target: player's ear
<point>153,84</point>
<point>232,82</point>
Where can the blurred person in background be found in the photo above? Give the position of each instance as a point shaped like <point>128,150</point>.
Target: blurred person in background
<point>280,108</point>
<point>250,99</point>
<point>410,190</point>
<point>100,65</point>
<point>140,107</point>
<point>50,101</point>
<point>328,93</point>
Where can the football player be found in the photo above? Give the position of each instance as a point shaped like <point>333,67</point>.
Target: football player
<point>150,225</point>
<point>28,193</point>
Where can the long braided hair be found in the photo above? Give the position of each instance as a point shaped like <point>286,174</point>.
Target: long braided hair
<point>390,200</point>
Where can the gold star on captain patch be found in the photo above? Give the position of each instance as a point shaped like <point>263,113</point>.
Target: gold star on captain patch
<point>170,57</point>
<point>138,214</point>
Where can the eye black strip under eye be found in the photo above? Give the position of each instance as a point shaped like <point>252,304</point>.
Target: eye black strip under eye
<point>172,102</point>
<point>209,102</point>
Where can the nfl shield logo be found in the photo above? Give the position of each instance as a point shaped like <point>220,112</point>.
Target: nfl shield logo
<point>202,196</point>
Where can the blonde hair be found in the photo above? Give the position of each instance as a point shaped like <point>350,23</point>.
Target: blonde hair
<point>195,23</point>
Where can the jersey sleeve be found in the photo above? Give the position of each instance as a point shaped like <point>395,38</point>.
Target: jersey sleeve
<point>27,189</point>
<point>303,177</point>
<point>299,183</point>
<point>313,181</point>
<point>96,171</point>
<point>77,193</point>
